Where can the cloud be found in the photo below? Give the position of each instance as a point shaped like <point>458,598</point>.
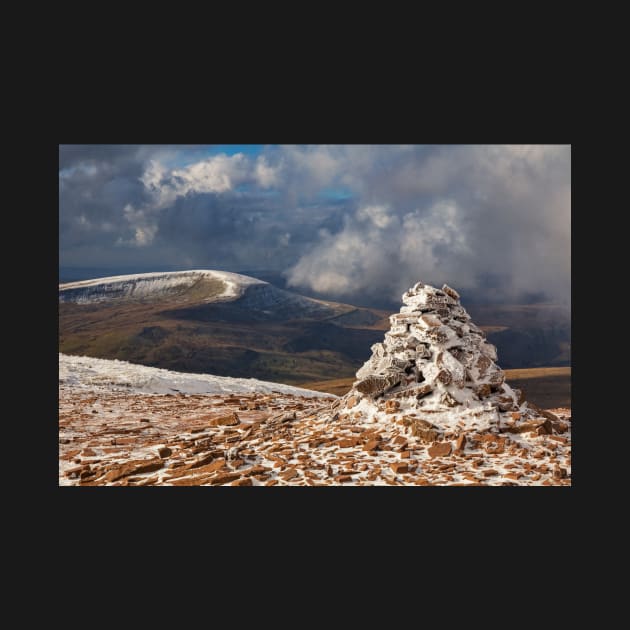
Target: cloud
<point>217,174</point>
<point>266,175</point>
<point>459,215</point>
<point>378,251</point>
<point>356,222</point>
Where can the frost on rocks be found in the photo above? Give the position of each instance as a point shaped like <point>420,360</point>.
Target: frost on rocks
<point>435,373</point>
<point>429,408</point>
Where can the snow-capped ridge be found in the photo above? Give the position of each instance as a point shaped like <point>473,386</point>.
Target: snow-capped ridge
<point>197,287</point>
<point>155,284</point>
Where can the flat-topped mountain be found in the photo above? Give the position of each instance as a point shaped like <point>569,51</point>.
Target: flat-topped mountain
<point>214,322</point>
<point>197,287</point>
<point>430,407</point>
<point>232,324</point>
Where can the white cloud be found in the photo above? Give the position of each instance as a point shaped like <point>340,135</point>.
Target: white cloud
<point>382,253</point>
<point>142,224</point>
<point>266,175</point>
<point>144,235</point>
<point>219,173</point>
<point>458,215</point>
<point>377,215</point>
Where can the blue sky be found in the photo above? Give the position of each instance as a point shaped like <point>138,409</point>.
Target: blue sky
<point>251,150</point>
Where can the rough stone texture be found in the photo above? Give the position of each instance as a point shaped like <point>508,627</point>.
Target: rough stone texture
<point>448,399</point>
<point>422,391</point>
<point>289,474</point>
<point>304,452</point>
<point>434,360</point>
<point>399,467</point>
<point>133,468</point>
<point>372,445</point>
<point>440,449</point>
<point>281,439</point>
<point>222,479</point>
<point>392,406</point>
<point>450,292</point>
<point>374,385</point>
<point>242,482</point>
<point>424,430</point>
<point>230,419</point>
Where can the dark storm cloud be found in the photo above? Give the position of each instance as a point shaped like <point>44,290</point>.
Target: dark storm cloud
<point>123,205</point>
<point>95,184</point>
<point>72,155</point>
<point>449,214</point>
<point>347,221</point>
<point>239,230</point>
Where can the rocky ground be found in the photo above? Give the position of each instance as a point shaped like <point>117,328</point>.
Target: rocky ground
<point>132,439</point>
<point>430,407</point>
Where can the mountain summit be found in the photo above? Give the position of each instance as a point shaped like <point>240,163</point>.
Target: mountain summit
<point>197,286</point>
<point>215,322</point>
<point>436,370</point>
<point>433,379</point>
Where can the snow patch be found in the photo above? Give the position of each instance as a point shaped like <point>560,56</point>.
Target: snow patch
<point>87,373</point>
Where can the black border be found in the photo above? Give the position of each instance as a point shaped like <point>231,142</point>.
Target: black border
<point>406,515</point>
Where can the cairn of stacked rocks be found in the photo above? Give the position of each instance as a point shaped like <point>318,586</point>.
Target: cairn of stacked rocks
<point>435,373</point>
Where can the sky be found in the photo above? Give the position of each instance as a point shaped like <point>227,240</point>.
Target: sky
<point>350,222</point>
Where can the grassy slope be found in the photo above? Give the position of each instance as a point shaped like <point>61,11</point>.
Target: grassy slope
<point>181,332</point>
<point>217,339</point>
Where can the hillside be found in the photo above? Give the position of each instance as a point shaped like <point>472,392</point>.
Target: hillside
<point>214,323</point>
<point>527,335</point>
<point>235,325</point>
<point>130,425</point>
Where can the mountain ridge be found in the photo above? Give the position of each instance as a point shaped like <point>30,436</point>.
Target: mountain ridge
<point>218,322</point>
<point>213,322</point>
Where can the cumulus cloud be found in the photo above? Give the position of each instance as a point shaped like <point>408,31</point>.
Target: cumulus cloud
<point>267,175</point>
<point>350,221</point>
<point>460,215</point>
<point>378,251</point>
<point>217,174</point>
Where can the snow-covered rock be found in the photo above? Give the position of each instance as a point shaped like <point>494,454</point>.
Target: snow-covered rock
<point>440,371</point>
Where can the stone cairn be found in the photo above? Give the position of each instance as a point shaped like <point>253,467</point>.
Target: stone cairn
<point>435,373</point>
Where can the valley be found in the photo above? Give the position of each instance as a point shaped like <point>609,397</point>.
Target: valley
<point>233,325</point>
<point>258,331</point>
<point>127,423</point>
